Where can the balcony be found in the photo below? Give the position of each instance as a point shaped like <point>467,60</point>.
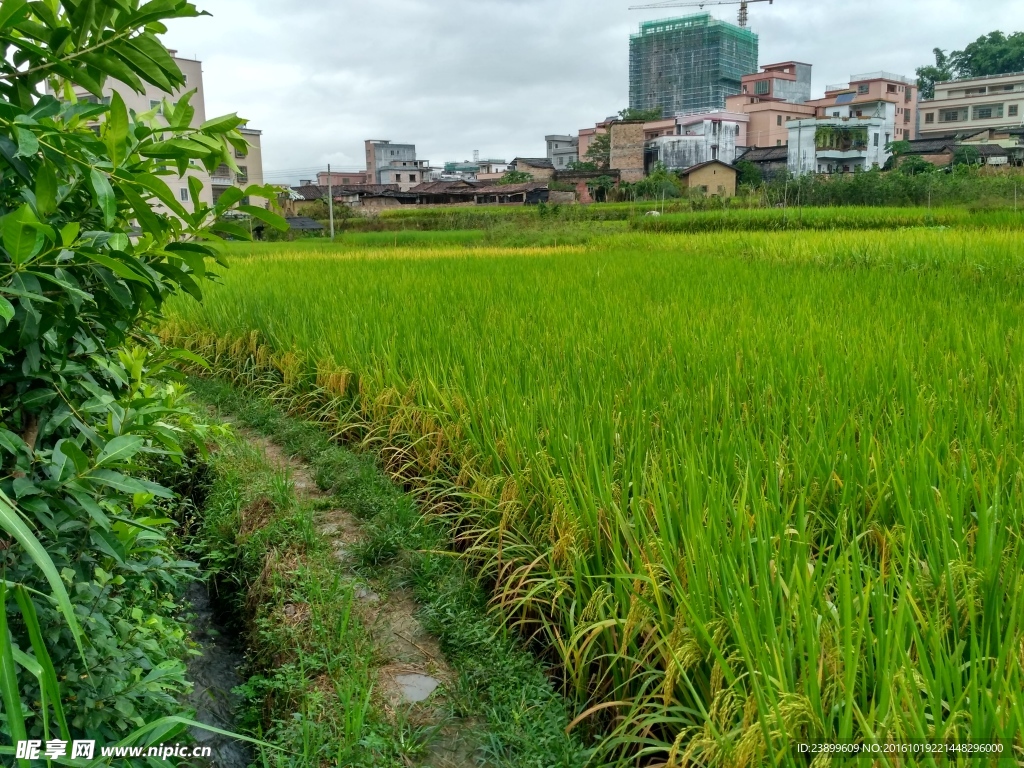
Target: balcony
<point>222,181</point>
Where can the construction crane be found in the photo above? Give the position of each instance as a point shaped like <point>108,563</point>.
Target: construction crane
<point>744,11</point>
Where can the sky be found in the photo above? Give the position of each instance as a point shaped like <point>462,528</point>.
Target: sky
<point>318,77</point>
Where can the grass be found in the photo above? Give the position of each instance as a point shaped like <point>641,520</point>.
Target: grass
<point>312,687</point>
<point>746,490</point>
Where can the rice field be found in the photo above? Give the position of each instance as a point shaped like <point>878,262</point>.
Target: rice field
<point>744,490</point>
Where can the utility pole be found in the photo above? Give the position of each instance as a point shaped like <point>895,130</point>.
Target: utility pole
<point>330,199</point>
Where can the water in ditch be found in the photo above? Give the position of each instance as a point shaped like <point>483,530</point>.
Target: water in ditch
<point>215,674</point>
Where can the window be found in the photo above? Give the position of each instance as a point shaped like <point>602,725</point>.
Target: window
<point>891,88</point>
<point>860,113</point>
<point>241,154</point>
<point>929,117</point>
<point>952,115</point>
<point>876,139</point>
<point>1013,110</point>
<point>157,105</point>
<point>863,88</point>
<point>412,177</point>
<point>835,114</point>
<point>398,177</point>
<point>778,142</point>
<point>762,87</point>
<point>989,112</point>
<point>243,175</point>
<point>183,194</point>
<point>778,120</point>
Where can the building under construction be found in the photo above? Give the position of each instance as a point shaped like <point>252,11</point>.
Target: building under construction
<point>689,64</point>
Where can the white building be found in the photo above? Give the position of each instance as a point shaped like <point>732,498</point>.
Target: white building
<point>700,138</point>
<point>838,144</point>
<point>563,151</point>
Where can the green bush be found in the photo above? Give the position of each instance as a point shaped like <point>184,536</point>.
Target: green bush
<point>89,640</point>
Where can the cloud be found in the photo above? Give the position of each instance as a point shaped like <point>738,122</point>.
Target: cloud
<point>454,76</point>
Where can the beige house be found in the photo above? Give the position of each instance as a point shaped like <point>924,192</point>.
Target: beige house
<point>712,178</point>
<point>974,105</point>
<point>250,162</point>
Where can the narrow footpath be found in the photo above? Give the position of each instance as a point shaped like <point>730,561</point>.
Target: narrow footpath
<point>414,679</point>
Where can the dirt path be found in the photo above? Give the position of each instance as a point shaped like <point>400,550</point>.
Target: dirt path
<point>412,684</point>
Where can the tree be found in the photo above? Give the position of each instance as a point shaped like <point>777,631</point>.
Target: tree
<point>966,156</point>
<point>929,75</point>
<point>915,165</point>
<point>992,54</point>
<point>600,151</point>
<point>514,177</point>
<point>748,174</point>
<point>643,115</point>
<point>94,242</point>
<point>896,149</point>
<point>577,165</point>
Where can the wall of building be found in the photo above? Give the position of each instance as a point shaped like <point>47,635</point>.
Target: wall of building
<point>152,98</point>
<point>341,178</point>
<point>627,150</point>
<point>251,164</point>
<point>715,179</point>
<point>539,173</point>
<point>864,92</point>
<point>806,157</point>
<point>705,141</point>
<point>962,106</point>
<point>688,64</point>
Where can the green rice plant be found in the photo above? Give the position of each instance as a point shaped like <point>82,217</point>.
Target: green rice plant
<point>745,490</point>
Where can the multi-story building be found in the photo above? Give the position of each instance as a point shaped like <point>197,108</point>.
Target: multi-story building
<point>249,162</point>
<point>837,144</point>
<point>698,139</point>
<point>563,151</point>
<point>771,99</point>
<point>491,170</point>
<point>973,105</point>
<point>689,64</point>
<point>388,163</point>
<point>879,94</point>
<point>780,94</point>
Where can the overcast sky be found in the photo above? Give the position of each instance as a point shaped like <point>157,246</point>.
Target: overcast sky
<point>453,76</point>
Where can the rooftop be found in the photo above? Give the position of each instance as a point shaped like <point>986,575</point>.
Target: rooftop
<point>661,26</point>
<point>975,79</point>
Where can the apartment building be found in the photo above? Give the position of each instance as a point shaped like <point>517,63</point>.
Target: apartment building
<point>974,105</point>
<point>563,151</point>
<point>699,139</point>
<point>878,94</point>
<point>388,163</point>
<point>771,99</point>
<point>837,144</point>
<point>250,161</point>
<point>689,64</point>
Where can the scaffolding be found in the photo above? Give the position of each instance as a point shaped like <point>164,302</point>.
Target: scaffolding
<point>690,64</point>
